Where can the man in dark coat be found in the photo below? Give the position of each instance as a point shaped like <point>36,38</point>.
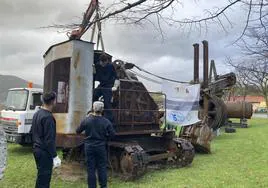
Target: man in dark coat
<point>106,75</point>
<point>44,141</point>
<point>98,130</point>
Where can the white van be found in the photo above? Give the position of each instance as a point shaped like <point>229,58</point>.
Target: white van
<point>16,118</point>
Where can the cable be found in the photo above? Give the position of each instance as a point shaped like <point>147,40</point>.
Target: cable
<point>144,77</point>
<point>152,74</point>
<point>163,78</point>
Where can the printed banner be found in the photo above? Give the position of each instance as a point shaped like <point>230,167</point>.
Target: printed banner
<point>182,103</point>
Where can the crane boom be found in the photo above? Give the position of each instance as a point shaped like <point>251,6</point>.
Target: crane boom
<point>77,34</point>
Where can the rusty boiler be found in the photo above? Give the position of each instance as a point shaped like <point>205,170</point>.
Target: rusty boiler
<point>240,109</point>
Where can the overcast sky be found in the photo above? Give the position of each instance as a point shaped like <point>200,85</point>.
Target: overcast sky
<point>22,43</point>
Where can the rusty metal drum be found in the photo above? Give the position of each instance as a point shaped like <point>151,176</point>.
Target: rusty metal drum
<point>239,109</point>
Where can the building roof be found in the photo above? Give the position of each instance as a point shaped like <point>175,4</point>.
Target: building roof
<point>62,43</point>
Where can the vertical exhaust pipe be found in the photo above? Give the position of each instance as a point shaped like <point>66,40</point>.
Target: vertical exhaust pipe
<point>205,73</point>
<point>196,63</point>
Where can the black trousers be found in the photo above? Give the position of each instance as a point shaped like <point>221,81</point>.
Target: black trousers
<point>44,164</point>
<point>107,96</point>
<point>96,158</point>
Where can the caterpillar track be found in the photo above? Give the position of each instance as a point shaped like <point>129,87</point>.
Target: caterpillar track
<point>129,160</point>
<point>132,160</point>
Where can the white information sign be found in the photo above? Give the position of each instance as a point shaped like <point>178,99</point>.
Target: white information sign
<point>182,103</point>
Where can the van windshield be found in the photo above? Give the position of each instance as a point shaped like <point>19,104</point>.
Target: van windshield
<point>17,100</point>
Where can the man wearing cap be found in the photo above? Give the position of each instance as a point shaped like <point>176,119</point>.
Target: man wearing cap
<point>106,75</point>
<point>44,141</point>
<point>98,130</point>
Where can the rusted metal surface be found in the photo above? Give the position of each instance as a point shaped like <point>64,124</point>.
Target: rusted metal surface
<point>69,140</point>
<point>212,70</point>
<point>205,74</point>
<point>217,110</point>
<point>69,72</point>
<point>134,108</point>
<point>58,51</point>
<point>129,160</point>
<point>158,157</point>
<point>199,135</point>
<point>134,157</point>
<point>141,132</point>
<point>222,83</point>
<point>196,63</point>
<point>61,119</point>
<point>185,152</point>
<point>239,109</point>
<point>213,111</point>
<point>80,90</point>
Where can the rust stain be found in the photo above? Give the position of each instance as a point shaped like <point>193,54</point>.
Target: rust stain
<point>69,140</point>
<point>77,117</point>
<point>76,59</point>
<point>78,78</point>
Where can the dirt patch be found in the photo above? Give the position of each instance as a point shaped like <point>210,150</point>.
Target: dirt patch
<point>71,171</point>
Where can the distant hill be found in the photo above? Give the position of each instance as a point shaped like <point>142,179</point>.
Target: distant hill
<point>1,107</point>
<point>7,82</point>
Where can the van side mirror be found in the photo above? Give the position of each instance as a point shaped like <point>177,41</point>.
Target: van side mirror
<point>32,107</point>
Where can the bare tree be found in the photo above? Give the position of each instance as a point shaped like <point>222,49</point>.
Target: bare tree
<point>254,44</point>
<point>158,12</point>
<point>241,84</point>
<point>255,73</point>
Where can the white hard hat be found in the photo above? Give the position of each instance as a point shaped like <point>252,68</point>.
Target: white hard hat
<point>98,106</point>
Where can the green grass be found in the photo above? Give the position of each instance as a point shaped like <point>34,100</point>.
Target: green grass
<point>237,160</point>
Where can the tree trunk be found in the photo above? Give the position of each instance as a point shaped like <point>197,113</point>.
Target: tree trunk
<point>266,102</point>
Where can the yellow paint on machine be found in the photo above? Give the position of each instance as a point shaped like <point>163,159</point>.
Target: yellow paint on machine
<point>61,122</point>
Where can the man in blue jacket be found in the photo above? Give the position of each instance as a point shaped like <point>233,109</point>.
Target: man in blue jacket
<point>98,130</point>
<point>44,141</point>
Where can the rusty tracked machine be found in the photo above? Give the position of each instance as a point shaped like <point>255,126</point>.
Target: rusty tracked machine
<point>139,139</point>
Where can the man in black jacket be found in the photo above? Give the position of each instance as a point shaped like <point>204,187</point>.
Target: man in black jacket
<point>98,130</point>
<point>106,75</point>
<point>44,141</point>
